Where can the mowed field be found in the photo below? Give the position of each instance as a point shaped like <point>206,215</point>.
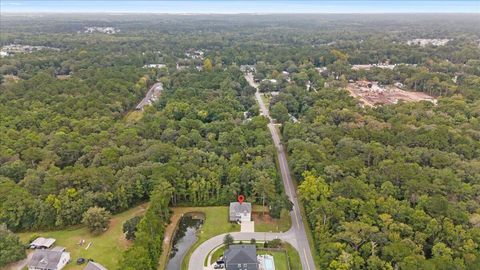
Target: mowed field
<point>106,248</point>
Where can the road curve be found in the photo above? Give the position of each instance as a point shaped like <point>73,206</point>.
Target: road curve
<point>296,236</point>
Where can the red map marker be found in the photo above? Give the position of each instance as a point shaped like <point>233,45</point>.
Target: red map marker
<point>241,198</point>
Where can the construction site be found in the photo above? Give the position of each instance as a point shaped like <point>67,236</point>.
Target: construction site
<point>373,94</point>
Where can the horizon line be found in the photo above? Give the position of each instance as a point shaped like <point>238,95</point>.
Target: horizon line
<point>233,13</point>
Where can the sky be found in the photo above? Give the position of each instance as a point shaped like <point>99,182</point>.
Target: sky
<point>234,6</point>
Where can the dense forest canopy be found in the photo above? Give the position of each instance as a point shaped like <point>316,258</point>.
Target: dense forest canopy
<point>384,187</point>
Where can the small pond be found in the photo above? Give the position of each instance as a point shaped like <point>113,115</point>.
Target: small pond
<point>184,238</point>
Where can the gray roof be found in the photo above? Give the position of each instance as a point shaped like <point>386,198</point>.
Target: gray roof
<point>47,259</point>
<point>94,266</point>
<point>236,254</point>
<point>237,208</point>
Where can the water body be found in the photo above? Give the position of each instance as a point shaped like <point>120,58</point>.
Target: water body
<point>184,238</point>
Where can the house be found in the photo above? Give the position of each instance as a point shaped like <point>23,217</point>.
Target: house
<point>240,211</point>
<point>241,257</point>
<point>155,66</point>
<point>46,259</point>
<point>94,266</point>
<point>42,243</point>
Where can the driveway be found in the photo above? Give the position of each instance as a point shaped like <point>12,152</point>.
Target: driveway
<point>247,226</point>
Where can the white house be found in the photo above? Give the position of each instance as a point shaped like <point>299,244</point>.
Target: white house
<point>240,211</point>
<point>46,259</point>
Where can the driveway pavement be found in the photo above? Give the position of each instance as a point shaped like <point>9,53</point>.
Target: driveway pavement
<point>247,226</point>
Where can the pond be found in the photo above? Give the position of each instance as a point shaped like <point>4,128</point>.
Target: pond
<point>184,238</point>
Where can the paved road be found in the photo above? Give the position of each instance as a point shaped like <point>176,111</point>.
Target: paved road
<point>298,227</point>
<point>151,96</point>
<point>296,236</point>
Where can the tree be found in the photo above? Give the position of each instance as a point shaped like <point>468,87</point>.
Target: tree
<point>130,227</point>
<point>207,65</point>
<point>11,249</point>
<point>265,188</point>
<point>280,112</point>
<point>356,233</point>
<point>228,240</point>
<point>96,219</point>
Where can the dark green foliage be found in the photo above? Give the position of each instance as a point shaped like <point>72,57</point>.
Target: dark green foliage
<point>146,250</point>
<point>130,227</point>
<point>96,219</point>
<point>11,249</point>
<point>228,240</point>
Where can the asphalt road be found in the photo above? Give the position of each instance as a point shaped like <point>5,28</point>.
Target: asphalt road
<point>298,227</point>
<point>296,236</point>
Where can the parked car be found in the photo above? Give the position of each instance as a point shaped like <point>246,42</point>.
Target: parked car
<point>218,266</point>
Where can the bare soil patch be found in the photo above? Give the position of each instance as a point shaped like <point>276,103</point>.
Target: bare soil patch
<point>373,94</point>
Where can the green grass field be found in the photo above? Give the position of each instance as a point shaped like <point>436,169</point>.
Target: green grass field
<point>264,223</point>
<point>106,248</point>
<point>216,222</point>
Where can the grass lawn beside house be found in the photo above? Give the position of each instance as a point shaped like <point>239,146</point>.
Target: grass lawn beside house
<point>106,248</point>
<point>265,223</point>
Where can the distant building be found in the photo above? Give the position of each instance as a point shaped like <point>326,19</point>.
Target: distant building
<point>241,257</point>
<point>49,259</point>
<point>248,68</point>
<point>240,211</point>
<point>154,66</point>
<point>42,243</point>
<point>94,266</point>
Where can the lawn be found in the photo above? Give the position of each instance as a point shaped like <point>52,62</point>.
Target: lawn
<point>265,223</point>
<point>279,257</point>
<point>106,248</point>
<point>294,257</point>
<point>216,222</point>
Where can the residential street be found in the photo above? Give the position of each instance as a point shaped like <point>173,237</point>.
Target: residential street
<point>296,236</point>
<point>298,227</point>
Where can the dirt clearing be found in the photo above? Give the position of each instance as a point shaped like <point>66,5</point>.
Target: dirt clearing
<point>372,94</point>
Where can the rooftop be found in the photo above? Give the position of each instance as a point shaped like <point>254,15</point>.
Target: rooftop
<point>45,259</point>
<point>237,254</point>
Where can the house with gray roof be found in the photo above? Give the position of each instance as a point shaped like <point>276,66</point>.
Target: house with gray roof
<point>46,259</point>
<point>240,211</point>
<point>241,257</point>
<point>94,266</point>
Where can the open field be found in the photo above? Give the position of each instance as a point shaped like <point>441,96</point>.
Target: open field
<point>106,248</point>
<point>371,94</point>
